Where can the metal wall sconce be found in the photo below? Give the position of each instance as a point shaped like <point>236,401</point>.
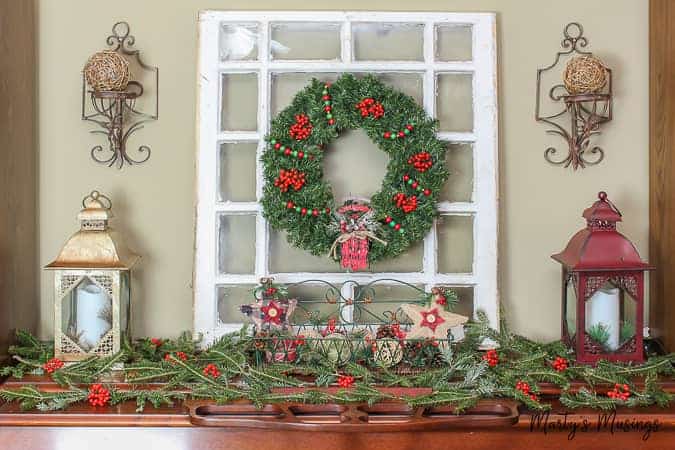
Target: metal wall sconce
<point>109,98</point>
<point>586,98</point>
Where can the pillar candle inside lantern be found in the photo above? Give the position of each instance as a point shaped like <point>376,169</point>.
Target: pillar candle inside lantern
<point>603,309</point>
<point>93,306</point>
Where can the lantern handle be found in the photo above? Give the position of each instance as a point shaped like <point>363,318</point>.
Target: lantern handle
<point>602,195</point>
<point>95,195</point>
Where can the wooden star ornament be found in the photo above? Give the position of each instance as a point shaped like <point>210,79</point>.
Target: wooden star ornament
<point>431,321</point>
<point>271,315</point>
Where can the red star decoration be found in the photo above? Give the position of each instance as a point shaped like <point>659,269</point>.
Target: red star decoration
<point>431,319</point>
<point>272,313</point>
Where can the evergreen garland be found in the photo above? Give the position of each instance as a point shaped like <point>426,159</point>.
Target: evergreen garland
<point>226,371</point>
<point>302,132</point>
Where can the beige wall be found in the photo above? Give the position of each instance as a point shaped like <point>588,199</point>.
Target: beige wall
<point>540,204</point>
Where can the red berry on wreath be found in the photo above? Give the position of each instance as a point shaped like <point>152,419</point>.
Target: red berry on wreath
<point>388,219</point>
<point>325,97</point>
<point>401,134</point>
<point>303,211</point>
<point>427,192</point>
<point>409,127</point>
<point>290,205</point>
<point>397,226</point>
<point>414,185</point>
<point>387,134</point>
<point>277,146</point>
<point>406,178</point>
<point>156,342</point>
<point>301,155</point>
<point>331,121</point>
<point>301,129</point>
<point>287,151</point>
<point>327,210</point>
<point>315,212</point>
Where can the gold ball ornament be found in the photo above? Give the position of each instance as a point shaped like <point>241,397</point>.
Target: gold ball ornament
<point>107,70</point>
<point>584,75</point>
<point>388,352</point>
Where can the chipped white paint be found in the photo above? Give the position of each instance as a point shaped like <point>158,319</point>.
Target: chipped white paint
<point>483,206</point>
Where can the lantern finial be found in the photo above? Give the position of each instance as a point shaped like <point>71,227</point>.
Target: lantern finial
<point>602,195</point>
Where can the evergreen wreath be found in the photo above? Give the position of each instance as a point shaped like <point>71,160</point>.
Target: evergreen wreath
<point>298,200</point>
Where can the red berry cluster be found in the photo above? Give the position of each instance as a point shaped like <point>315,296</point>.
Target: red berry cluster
<point>98,395</point>
<point>398,134</point>
<point>52,365</point>
<point>292,177</point>
<point>327,104</point>
<point>421,161</point>
<point>301,129</point>
<point>345,381</point>
<point>390,221</point>
<point>560,364</point>
<point>300,340</point>
<point>525,389</point>
<point>491,357</point>
<point>180,355</point>
<point>407,204</point>
<point>396,329</point>
<point>156,342</point>
<point>368,106</point>
<point>416,185</point>
<point>211,371</point>
<point>270,291</point>
<point>620,392</point>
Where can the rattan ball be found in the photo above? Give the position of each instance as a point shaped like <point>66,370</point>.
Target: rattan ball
<point>107,71</point>
<point>584,75</point>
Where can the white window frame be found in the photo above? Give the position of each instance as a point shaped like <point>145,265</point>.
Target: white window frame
<point>484,138</point>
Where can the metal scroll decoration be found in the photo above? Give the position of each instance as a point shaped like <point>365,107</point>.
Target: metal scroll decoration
<point>116,112</point>
<point>582,113</point>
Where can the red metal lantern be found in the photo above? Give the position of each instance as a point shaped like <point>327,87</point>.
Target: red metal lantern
<point>603,289</point>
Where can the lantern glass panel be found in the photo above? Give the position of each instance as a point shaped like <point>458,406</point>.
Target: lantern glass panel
<point>627,326</point>
<point>86,314</point>
<point>125,303</point>
<point>571,308</point>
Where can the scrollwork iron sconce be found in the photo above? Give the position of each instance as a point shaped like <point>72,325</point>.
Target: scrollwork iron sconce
<point>584,109</point>
<point>115,111</point>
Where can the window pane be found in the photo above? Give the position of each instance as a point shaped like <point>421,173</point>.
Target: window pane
<point>240,101</point>
<point>236,244</point>
<point>388,42</point>
<point>354,166</point>
<point>386,300</point>
<point>459,161</point>
<point>305,41</point>
<point>465,300</point>
<point>454,102</point>
<point>229,300</point>
<point>410,84</point>
<point>313,306</point>
<point>285,258</point>
<point>453,42</point>
<point>237,172</point>
<point>285,86</point>
<point>408,261</point>
<point>455,244</point>
<point>238,41</point>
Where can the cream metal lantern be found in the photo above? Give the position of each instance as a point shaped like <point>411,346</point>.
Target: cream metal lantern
<point>92,302</point>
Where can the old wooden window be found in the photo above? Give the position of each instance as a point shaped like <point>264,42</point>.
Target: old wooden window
<point>251,64</point>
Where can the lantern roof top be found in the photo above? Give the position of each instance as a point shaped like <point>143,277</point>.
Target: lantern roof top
<point>95,245</point>
<point>599,247</point>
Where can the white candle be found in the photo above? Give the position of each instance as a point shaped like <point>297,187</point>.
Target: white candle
<point>92,303</point>
<point>603,308</point>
